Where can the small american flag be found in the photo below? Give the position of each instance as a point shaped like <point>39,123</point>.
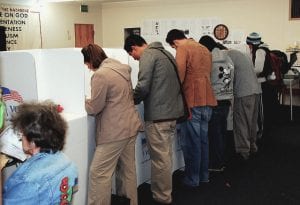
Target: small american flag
<point>8,94</point>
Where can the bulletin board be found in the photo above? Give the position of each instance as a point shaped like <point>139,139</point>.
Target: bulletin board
<point>157,30</point>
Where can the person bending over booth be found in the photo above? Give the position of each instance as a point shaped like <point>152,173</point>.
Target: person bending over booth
<point>118,124</point>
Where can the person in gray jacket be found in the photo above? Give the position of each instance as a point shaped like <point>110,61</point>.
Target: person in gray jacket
<point>246,92</point>
<point>159,89</point>
<point>222,75</point>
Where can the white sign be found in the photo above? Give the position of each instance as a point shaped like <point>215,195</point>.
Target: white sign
<point>22,27</point>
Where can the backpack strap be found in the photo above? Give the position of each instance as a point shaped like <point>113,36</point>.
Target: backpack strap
<point>185,105</point>
<point>267,69</point>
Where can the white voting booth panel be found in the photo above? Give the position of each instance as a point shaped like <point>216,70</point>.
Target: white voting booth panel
<point>18,72</point>
<point>58,75</point>
<point>77,148</point>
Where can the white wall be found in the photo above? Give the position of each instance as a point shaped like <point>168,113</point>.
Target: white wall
<point>268,17</point>
<point>58,19</point>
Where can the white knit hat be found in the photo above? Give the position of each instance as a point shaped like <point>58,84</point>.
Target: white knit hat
<point>254,39</point>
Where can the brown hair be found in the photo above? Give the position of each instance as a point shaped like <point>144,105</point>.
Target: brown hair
<point>93,54</point>
<point>41,123</point>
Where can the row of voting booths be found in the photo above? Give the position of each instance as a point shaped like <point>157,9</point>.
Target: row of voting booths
<point>61,76</point>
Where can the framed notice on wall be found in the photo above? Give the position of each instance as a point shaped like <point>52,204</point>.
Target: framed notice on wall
<point>295,9</point>
<point>130,31</point>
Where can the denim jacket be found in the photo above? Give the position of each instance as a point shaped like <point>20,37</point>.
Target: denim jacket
<point>44,179</point>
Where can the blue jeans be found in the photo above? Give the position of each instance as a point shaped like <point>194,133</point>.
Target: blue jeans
<point>195,146</point>
<point>217,135</point>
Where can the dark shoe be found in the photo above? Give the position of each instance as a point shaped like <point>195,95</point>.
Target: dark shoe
<point>160,203</point>
<point>253,149</point>
<point>204,185</point>
<point>241,159</point>
<point>244,155</point>
<point>187,187</point>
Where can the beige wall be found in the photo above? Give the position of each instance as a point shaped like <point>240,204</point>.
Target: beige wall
<point>268,17</point>
<point>58,19</point>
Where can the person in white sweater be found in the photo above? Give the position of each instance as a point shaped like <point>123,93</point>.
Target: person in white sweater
<point>270,103</point>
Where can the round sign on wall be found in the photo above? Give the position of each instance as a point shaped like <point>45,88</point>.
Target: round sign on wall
<point>221,32</point>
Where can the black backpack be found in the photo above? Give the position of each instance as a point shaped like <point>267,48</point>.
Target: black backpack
<point>275,61</point>
<point>285,65</point>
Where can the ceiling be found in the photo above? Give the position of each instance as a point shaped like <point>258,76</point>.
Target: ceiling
<point>32,2</point>
<point>96,2</point>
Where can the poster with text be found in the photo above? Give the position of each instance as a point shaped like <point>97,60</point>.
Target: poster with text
<point>22,27</point>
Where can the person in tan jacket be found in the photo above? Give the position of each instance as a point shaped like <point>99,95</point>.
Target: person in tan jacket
<point>118,124</point>
<point>194,63</point>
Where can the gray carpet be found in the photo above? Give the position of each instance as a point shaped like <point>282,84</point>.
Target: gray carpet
<point>271,177</point>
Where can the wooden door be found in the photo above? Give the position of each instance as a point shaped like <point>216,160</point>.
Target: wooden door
<point>84,34</point>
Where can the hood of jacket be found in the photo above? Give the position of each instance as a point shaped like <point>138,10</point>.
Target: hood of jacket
<point>157,45</point>
<point>122,69</point>
<point>218,55</point>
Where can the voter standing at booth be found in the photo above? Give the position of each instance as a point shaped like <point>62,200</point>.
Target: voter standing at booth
<point>117,125</point>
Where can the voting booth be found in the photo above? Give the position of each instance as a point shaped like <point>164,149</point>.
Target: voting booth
<point>61,76</point>
<point>58,75</point>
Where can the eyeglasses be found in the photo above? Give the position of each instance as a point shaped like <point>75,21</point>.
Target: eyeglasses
<point>19,135</point>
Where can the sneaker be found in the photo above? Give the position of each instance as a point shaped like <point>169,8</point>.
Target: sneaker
<point>204,181</point>
<point>221,169</point>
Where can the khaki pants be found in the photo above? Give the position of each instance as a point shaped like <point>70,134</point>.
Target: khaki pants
<point>245,115</point>
<point>110,157</point>
<point>160,139</point>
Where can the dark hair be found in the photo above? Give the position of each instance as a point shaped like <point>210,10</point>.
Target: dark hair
<point>133,40</point>
<point>210,43</point>
<point>174,34</point>
<point>93,54</point>
<point>42,124</point>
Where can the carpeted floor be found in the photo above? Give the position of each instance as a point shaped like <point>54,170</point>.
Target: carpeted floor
<point>272,177</point>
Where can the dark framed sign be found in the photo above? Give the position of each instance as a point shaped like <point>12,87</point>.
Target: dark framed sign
<point>130,31</point>
<point>294,9</point>
<point>221,32</point>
